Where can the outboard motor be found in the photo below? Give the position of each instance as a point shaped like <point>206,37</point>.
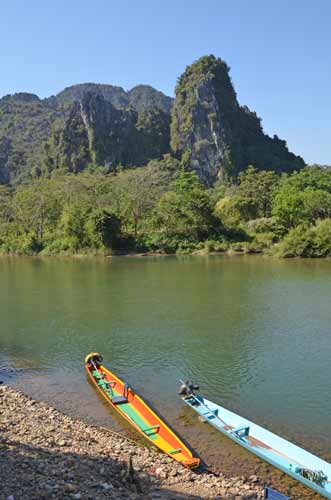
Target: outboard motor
<point>187,388</point>
<point>94,359</point>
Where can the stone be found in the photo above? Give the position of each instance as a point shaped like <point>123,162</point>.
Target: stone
<point>70,488</point>
<point>254,479</point>
<point>107,486</point>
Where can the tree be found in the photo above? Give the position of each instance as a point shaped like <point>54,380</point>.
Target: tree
<point>72,225</point>
<point>185,212</point>
<point>103,229</point>
<point>305,241</point>
<point>233,210</point>
<point>260,187</point>
<point>35,208</point>
<point>5,204</point>
<point>303,197</point>
<point>135,193</point>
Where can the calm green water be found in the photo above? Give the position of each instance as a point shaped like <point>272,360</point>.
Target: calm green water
<point>254,332</point>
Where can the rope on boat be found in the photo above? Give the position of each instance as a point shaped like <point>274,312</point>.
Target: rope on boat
<point>316,476</point>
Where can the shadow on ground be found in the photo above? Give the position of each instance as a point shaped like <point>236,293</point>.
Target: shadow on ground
<point>31,472</point>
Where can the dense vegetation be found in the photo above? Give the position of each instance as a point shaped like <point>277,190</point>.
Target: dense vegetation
<point>164,208</point>
<point>91,126</point>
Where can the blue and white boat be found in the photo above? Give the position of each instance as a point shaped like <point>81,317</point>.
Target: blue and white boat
<point>310,470</point>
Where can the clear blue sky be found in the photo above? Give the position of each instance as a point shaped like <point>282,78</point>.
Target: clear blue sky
<point>279,53</point>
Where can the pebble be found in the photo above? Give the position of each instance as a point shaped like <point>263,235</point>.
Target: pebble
<point>107,486</point>
<point>70,488</point>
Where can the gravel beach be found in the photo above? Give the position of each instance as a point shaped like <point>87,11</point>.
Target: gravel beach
<point>45,454</point>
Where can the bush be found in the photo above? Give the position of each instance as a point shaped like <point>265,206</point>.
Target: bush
<point>68,244</point>
<point>322,239</point>
<point>236,234</point>
<point>270,225</point>
<point>162,242</point>
<point>72,223</point>
<point>139,243</point>
<point>264,240</point>
<point>187,247</point>
<point>239,246</point>
<point>103,229</point>
<point>232,210</point>
<point>31,245</point>
<point>298,243</point>
<point>253,247</point>
<point>215,246</point>
<point>303,241</point>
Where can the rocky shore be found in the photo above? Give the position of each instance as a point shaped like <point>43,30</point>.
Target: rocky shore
<point>45,454</point>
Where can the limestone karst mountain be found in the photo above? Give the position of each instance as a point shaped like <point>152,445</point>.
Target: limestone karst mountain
<point>103,125</point>
<point>214,134</point>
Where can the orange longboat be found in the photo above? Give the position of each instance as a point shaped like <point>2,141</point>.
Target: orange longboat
<point>130,406</point>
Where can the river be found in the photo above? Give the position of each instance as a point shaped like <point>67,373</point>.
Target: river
<point>254,332</point>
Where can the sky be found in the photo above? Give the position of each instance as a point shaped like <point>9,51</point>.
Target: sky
<point>279,53</point>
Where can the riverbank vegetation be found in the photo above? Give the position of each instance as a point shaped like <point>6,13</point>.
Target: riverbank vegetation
<point>163,208</point>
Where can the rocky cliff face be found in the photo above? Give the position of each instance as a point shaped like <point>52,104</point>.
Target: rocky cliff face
<point>96,132</point>
<point>213,134</point>
<point>109,129</point>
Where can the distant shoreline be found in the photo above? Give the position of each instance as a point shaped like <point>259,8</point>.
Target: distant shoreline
<point>196,253</point>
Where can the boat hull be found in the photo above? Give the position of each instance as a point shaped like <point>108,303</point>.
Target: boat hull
<point>264,444</point>
<point>140,416</point>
